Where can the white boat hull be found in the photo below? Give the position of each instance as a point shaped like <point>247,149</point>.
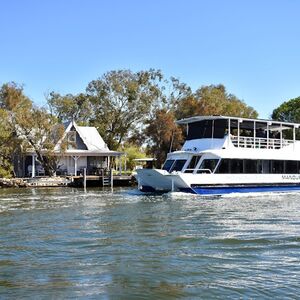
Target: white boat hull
<point>156,180</point>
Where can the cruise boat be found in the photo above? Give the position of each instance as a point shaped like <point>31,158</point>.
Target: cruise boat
<point>223,154</point>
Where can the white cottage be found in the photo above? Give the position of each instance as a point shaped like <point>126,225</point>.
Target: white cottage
<point>86,149</point>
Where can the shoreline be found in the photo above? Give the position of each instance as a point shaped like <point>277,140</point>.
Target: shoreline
<point>58,182</point>
<point>34,182</point>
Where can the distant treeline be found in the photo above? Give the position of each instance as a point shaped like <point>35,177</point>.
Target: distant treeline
<point>131,110</point>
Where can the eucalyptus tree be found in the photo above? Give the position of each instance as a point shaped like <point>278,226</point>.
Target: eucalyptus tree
<point>213,100</point>
<point>122,100</point>
<point>288,111</point>
<point>6,145</point>
<point>70,107</point>
<point>32,128</point>
<point>162,134</point>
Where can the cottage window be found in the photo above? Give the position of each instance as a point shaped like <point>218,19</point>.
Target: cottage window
<point>72,137</point>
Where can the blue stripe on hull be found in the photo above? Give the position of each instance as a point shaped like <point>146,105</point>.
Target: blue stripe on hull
<point>239,189</point>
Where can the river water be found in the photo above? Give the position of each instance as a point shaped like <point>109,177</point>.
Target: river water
<point>103,244</point>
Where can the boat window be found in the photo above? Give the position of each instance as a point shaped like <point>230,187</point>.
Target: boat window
<point>259,166</point>
<point>250,166</point>
<point>207,129</point>
<point>223,166</point>
<point>264,166</point>
<point>236,166</point>
<point>291,167</point>
<point>220,127</point>
<point>168,164</point>
<point>277,166</point>
<point>178,165</point>
<point>193,163</point>
<point>208,166</point>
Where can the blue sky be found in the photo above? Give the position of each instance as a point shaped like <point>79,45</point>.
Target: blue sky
<point>250,46</point>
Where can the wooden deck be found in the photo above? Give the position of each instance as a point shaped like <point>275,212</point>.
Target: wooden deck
<point>96,180</point>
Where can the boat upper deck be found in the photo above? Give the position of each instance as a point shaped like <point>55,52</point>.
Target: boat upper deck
<point>274,123</point>
<point>239,132</point>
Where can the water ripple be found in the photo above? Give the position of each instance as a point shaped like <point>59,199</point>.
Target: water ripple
<point>121,244</point>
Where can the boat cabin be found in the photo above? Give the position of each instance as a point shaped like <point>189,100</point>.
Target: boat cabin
<point>241,132</point>
<point>228,145</point>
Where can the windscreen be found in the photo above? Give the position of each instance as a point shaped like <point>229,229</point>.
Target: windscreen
<point>207,129</point>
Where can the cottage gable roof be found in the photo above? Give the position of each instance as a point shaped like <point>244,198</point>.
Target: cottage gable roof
<point>91,138</point>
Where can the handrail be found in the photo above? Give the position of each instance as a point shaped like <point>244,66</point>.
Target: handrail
<point>204,170</point>
<point>260,143</point>
<point>192,170</point>
<point>189,170</point>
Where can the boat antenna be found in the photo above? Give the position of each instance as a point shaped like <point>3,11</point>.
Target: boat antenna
<point>172,139</point>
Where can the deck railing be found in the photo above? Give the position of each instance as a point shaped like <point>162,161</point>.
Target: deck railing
<point>259,143</point>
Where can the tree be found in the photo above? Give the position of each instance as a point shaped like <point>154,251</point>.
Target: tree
<point>31,126</point>
<point>213,100</point>
<point>41,133</point>
<point>6,145</point>
<point>288,111</point>
<point>70,107</point>
<point>122,100</point>
<point>132,152</point>
<point>120,103</point>
<point>12,100</point>
<point>207,100</point>
<point>163,135</point>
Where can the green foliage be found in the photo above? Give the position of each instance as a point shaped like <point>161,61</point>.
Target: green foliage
<point>288,111</point>
<point>69,107</point>
<point>163,135</point>
<point>122,101</point>
<point>132,152</point>
<point>12,100</point>
<point>137,109</point>
<point>213,100</point>
<point>12,97</point>
<point>207,100</point>
<point>40,133</point>
<point>6,145</point>
<point>28,127</point>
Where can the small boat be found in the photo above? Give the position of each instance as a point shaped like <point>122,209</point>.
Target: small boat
<point>223,154</point>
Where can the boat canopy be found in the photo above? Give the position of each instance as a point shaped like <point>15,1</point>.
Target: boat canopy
<point>217,127</point>
<point>275,125</point>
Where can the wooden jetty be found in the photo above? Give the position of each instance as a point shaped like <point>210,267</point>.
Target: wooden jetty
<point>102,180</point>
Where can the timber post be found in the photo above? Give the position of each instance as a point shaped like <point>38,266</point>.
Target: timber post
<point>84,178</point>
